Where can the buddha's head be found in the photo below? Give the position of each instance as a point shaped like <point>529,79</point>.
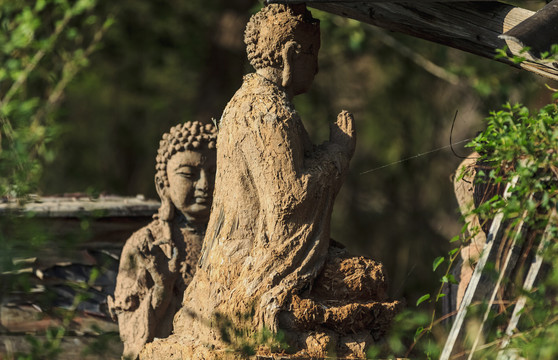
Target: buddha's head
<point>285,38</point>
<point>185,174</point>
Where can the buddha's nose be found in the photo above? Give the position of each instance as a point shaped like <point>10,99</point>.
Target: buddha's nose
<point>202,184</point>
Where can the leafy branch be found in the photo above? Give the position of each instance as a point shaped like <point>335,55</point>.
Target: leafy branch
<point>34,73</point>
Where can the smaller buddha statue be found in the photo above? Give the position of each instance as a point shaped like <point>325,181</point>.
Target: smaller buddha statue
<point>159,260</point>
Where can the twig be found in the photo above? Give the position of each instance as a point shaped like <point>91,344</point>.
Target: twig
<point>418,59</point>
<point>69,71</point>
<point>36,59</point>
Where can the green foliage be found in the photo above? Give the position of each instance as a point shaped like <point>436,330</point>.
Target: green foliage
<point>407,327</point>
<point>41,51</point>
<point>504,53</point>
<point>519,143</point>
<point>241,337</point>
<point>516,143</point>
<point>549,56</point>
<point>43,46</point>
<point>101,344</point>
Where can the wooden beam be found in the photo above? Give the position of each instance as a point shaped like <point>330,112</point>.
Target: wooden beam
<point>81,205</point>
<point>474,27</point>
<point>539,32</point>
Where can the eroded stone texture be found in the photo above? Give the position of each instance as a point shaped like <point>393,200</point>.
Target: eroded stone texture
<point>346,311</point>
<point>159,261</point>
<point>464,187</point>
<point>472,189</point>
<point>267,247</point>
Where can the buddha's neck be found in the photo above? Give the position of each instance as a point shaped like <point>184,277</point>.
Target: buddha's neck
<point>275,76</point>
<point>185,224</point>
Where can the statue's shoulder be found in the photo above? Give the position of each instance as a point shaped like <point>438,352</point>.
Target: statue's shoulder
<point>258,98</point>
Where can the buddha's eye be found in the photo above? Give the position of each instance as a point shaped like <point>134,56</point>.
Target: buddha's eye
<point>187,172</point>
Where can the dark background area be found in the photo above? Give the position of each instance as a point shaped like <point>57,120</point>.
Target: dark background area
<point>171,61</point>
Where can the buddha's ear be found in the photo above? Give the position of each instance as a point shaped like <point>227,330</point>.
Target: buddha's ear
<point>288,54</point>
<point>166,211</point>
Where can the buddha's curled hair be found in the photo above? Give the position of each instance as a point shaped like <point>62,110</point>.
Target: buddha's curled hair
<point>188,136</point>
<point>271,28</point>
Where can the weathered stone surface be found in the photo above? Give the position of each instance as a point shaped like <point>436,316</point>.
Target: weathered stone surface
<point>464,187</point>
<point>159,261</point>
<point>267,245</point>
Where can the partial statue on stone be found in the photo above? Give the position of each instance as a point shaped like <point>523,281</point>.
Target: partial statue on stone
<point>159,261</point>
<point>472,188</point>
<point>267,252</point>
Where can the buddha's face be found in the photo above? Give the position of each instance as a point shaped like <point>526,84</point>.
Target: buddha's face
<point>305,63</point>
<point>191,176</point>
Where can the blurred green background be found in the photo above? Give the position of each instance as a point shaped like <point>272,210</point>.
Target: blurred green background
<point>170,61</point>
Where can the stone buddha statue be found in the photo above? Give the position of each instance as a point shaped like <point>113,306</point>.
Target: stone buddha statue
<point>159,261</point>
<point>267,254</point>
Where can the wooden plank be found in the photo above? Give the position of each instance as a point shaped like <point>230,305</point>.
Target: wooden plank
<point>72,347</point>
<point>81,205</point>
<point>28,319</point>
<point>470,26</point>
<point>474,290</point>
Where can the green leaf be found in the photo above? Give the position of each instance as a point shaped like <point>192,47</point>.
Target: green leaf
<point>453,251</point>
<point>108,23</point>
<point>95,273</point>
<point>451,279</point>
<point>419,331</point>
<point>423,298</point>
<point>437,262</point>
<point>518,59</point>
<point>40,5</point>
<point>440,296</point>
<point>90,20</point>
<point>501,53</point>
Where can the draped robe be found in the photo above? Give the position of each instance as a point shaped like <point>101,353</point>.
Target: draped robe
<point>268,233</point>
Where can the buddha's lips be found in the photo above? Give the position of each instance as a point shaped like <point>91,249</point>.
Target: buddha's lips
<point>203,200</point>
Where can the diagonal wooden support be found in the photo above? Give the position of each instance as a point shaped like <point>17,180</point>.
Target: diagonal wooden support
<point>505,271</point>
<point>510,354</point>
<point>474,290</point>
